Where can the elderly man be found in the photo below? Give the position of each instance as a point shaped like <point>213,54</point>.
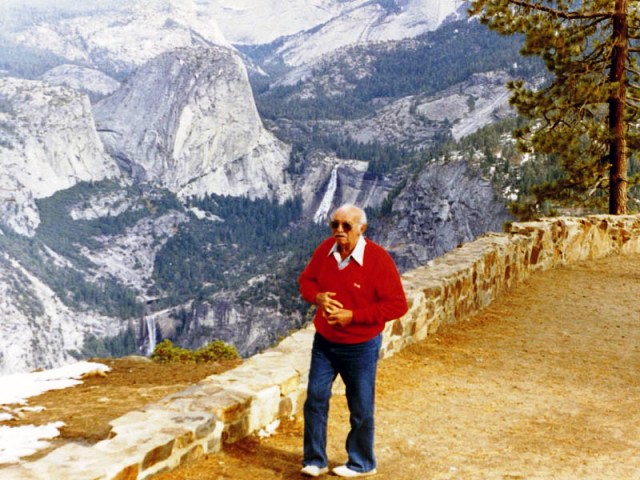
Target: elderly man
<point>356,287</point>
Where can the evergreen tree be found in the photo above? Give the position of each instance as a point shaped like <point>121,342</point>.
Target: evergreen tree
<point>587,112</point>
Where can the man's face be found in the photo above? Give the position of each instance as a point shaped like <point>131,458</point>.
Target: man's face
<point>345,229</point>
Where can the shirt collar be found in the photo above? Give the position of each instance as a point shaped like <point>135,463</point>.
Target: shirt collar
<point>358,252</point>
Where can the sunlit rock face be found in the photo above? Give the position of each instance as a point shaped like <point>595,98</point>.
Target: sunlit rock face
<point>186,121</point>
<point>48,143</point>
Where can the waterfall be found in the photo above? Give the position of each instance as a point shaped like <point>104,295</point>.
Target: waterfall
<point>323,210</point>
<point>151,333</point>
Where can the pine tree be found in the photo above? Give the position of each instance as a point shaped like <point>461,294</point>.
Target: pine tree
<point>587,111</point>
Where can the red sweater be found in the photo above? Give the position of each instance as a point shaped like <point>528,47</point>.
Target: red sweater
<point>372,291</point>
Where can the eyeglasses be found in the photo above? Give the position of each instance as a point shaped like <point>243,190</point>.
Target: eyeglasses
<point>334,224</point>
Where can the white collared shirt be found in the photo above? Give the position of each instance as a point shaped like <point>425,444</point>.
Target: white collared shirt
<point>357,254</point>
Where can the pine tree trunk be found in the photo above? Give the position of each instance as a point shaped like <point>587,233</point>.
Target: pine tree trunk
<point>617,123</point>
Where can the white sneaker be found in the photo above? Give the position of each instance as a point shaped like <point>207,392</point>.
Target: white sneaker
<point>344,471</point>
<point>313,471</point>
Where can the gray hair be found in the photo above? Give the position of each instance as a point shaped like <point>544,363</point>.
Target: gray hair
<point>362,216</point>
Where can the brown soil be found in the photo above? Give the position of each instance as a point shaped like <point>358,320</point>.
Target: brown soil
<point>543,384</point>
<point>133,382</point>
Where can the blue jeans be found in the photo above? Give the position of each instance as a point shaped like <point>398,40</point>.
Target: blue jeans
<point>356,364</point>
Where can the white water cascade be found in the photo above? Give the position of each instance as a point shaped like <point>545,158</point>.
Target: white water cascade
<point>151,333</point>
<point>323,209</point>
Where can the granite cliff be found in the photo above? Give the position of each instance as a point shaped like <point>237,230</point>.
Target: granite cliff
<point>186,121</point>
<point>128,167</point>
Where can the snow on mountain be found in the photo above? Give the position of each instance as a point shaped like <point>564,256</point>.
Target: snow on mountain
<point>255,22</point>
<point>370,22</point>
<point>119,36</point>
<point>186,121</point>
<point>306,30</point>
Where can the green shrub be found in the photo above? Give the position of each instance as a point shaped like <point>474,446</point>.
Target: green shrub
<point>167,352</point>
<point>215,351</point>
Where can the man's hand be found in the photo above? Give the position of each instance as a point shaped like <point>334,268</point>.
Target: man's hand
<point>333,310</point>
<point>339,317</point>
<point>325,302</point>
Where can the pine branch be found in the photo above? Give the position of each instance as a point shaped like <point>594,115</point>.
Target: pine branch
<point>595,187</point>
<point>633,112</point>
<point>596,53</point>
<point>569,15</point>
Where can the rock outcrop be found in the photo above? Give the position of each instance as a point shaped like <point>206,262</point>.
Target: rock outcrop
<point>48,143</point>
<point>415,120</point>
<point>185,121</point>
<point>446,205</point>
<point>86,80</point>
<point>37,329</point>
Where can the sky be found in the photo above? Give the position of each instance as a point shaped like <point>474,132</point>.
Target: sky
<point>15,390</point>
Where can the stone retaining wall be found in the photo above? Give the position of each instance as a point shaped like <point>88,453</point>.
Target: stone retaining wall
<point>252,397</point>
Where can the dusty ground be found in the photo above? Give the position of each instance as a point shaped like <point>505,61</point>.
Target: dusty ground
<point>132,383</point>
<point>543,384</point>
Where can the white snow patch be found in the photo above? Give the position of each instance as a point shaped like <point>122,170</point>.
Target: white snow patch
<point>17,442</point>
<point>15,389</point>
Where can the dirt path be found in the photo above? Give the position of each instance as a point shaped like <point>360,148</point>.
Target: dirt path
<point>544,384</point>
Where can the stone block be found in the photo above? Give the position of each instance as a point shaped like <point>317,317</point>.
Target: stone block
<point>207,428</point>
<point>264,408</point>
<point>295,400</point>
<point>19,472</point>
<point>193,454</point>
<point>285,409</point>
<point>128,473</point>
<point>397,327</point>
<point>79,461</point>
<point>214,443</point>
<point>139,421</point>
<point>276,369</point>
<point>298,341</point>
<point>236,430</point>
<point>229,405</point>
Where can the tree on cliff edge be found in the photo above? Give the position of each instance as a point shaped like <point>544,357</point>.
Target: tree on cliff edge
<point>588,110</point>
